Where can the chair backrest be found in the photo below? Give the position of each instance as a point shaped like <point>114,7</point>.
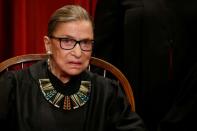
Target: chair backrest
<point>24,60</point>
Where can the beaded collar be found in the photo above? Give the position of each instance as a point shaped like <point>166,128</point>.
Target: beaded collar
<point>66,102</point>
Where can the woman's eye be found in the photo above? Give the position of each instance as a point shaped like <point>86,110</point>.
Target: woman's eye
<point>66,40</point>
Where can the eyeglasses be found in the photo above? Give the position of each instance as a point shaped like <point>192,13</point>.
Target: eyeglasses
<point>69,43</point>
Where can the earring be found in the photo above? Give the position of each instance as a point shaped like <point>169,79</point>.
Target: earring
<point>49,52</point>
<point>48,63</point>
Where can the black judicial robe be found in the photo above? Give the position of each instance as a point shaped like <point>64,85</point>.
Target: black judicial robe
<point>24,108</point>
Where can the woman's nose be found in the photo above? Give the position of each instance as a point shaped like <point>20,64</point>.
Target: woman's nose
<point>77,50</point>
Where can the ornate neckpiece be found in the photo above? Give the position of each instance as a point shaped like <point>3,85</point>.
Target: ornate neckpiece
<point>60,100</point>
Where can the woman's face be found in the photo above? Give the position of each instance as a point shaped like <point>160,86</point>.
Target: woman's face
<point>66,63</point>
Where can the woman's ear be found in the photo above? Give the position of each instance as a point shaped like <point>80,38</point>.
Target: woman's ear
<point>47,44</point>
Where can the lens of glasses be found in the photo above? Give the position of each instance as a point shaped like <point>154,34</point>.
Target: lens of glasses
<point>68,43</point>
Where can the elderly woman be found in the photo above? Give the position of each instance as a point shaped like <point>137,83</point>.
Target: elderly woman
<point>59,93</point>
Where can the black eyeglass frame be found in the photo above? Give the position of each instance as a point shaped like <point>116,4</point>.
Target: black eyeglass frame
<point>76,42</point>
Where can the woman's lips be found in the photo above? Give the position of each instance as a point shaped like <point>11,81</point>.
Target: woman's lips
<point>75,64</point>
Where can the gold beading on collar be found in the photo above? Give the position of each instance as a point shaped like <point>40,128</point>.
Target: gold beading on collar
<point>56,98</point>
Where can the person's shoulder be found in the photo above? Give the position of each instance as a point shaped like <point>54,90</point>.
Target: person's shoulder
<point>7,75</point>
<point>27,71</point>
<point>102,82</point>
<point>100,78</point>
<point>38,65</point>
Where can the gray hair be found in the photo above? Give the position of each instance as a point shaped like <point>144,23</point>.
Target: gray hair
<point>68,13</point>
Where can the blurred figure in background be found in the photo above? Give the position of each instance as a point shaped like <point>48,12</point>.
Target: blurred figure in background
<point>156,45</point>
<point>182,114</point>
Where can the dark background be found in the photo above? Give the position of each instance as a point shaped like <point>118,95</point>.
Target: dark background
<point>154,43</point>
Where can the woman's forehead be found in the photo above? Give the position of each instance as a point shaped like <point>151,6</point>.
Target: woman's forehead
<point>74,28</point>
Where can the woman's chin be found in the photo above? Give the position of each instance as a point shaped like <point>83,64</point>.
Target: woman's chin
<point>74,72</point>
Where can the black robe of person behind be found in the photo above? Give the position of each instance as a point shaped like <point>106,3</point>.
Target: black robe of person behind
<point>154,43</point>
<point>182,116</point>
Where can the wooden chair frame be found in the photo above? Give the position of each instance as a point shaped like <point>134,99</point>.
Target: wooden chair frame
<point>94,61</point>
